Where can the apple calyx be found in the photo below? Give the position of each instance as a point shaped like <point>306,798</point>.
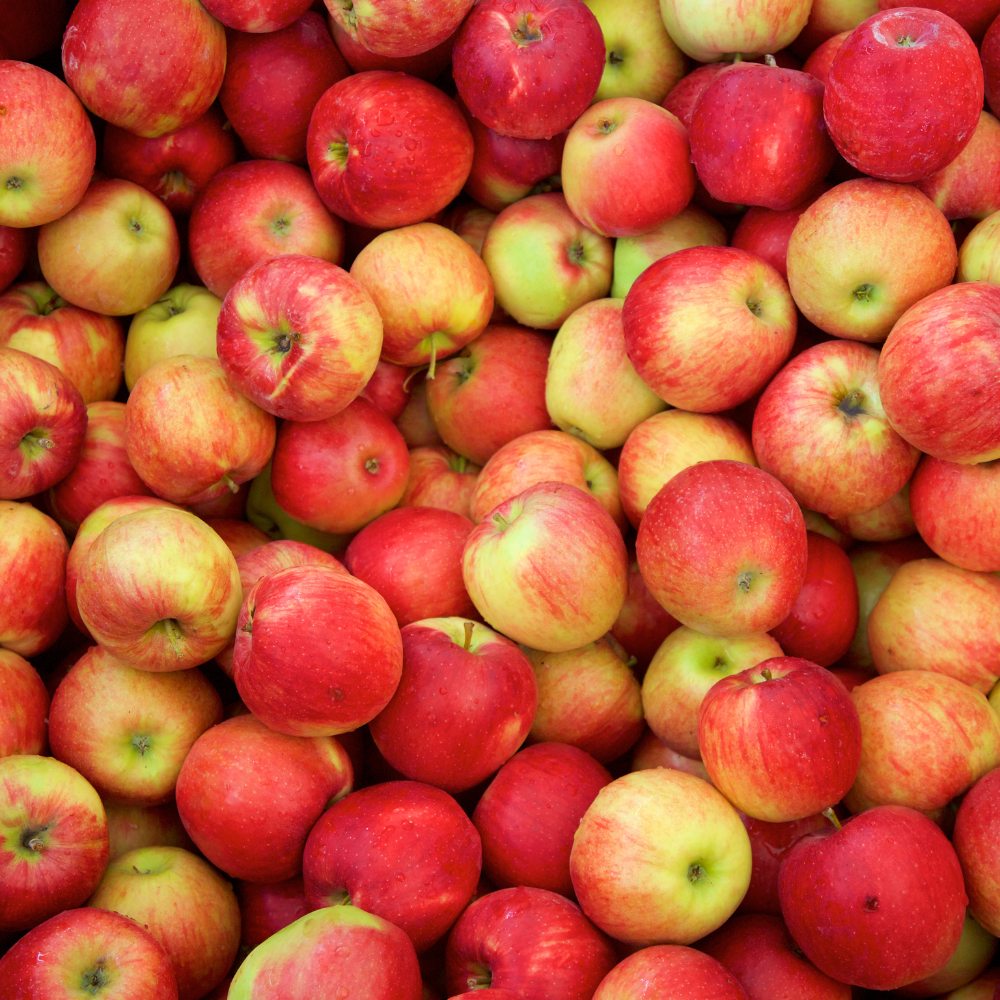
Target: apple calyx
<point>615,58</point>
<point>526,31</point>
<point>94,980</point>
<point>141,744</point>
<point>755,306</point>
<point>606,126</point>
<point>853,404</point>
<point>769,60</point>
<point>576,252</point>
<point>14,183</point>
<point>696,873</point>
<point>372,466</point>
<point>744,580</point>
<point>134,226</point>
<point>863,293</point>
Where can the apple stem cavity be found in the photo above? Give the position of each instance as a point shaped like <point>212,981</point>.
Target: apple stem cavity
<point>527,31</point>
<point>696,873</point>
<point>172,631</point>
<point>32,841</point>
<point>433,365</point>
<point>37,439</point>
<point>469,629</point>
<point>480,979</point>
<point>95,979</point>
<point>744,581</point>
<point>501,521</point>
<point>766,674</point>
<point>341,897</point>
<point>339,152</point>
<point>350,14</point>
<point>831,816</point>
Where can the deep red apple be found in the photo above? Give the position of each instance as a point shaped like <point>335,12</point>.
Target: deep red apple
<point>765,233</point>
<point>669,970</point>
<point>975,840</point>
<point>427,65</point>
<point>261,16</point>
<point>266,907</point>
<point>388,389</point>
<point>15,247</point>
<point>642,623</point>
<point>24,707</point>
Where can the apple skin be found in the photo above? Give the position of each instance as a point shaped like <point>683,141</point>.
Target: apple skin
<point>440,478</point>
<point>541,456</point>
<point>15,246</point>
<point>974,840</point>
<point>926,738</point>
<point>248,796</point>
<point>990,55</point>
<point>828,18</point>
<point>878,904</point>
<point>266,907</point>
<point>528,71</point>
<point>626,167</point>
<point>548,568</point>
<point>289,671</point>
<point>669,970</point>
<point>821,58</point>
<point>693,320</point>
<point>823,621</point>
<point>427,65</point>
<point>782,741</point>
<point>682,672</point>
<point>874,73</point>
<point>298,336</point>
<point>337,947</point>
<point>863,253</point>
<point>240,536</point>
<point>45,423</point>
<point>396,29</point>
<point>131,826</point>
<point>256,16</point>
<point>185,904</point>
<point>937,374</point>
<point>641,625</point>
<point>889,522</point>
<point>33,554</point>
<point>938,617</point>
<point>413,557</point>
<point>758,136</point>
<point>765,233</point>
<point>111,955</point>
<point>24,707</point>
<point>387,187</point>
<point>338,474</point>
<point>650,753</point>
<point>116,252</point>
<point>544,262</point>
<point>174,167</point>
<point>55,840</point>
<point>650,893</point>
<point>128,731</point>
<point>49,150</point>
<point>85,346</point>
<point>432,290</point>
<point>159,589</point>
<point>665,444</point>
<point>102,472</point>
<point>477,725</point>
<point>529,812</point>
<point>182,67</point>
<point>507,940</point>
<point>977,258</point>
<point>255,210</point>
<point>415,422</point>
<point>360,845</point>
<point>951,507</point>
<point>273,82</point>
<point>822,428</point>
<point>745,524</point>
<point>388,389</point>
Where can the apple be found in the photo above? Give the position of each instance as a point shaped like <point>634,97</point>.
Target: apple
<point>879,903</point>
<point>131,826</point>
<point>388,389</point>
<point>15,247</point>
<point>588,698</point>
<point>669,970</point>
<point>926,738</point>
<point>707,327</point>
<point>128,731</point>
<point>396,29</point>
<point>991,66</point>
<point>185,904</point>
<point>745,525</point>
<point>873,74</point>
<point>183,321</point>
<point>273,81</point>
<point>828,18</point>
<point>370,176</point>
<point>361,845</point>
<point>24,707</point>
<point>431,288</point>
<point>975,842</point>
<point>339,473</point>
<point>528,71</point>
<point>48,151</point>
<point>259,17</point>
<point>509,940</point>
<point>231,782</point>
<point>821,58</point>
<point>889,522</point>
<point>936,373</point>
<point>33,553</point>
<point>866,251</point>
<point>684,97</point>
<point>665,444</point>
<point>182,64</point>
<point>159,589</point>
<point>45,423</point>
<point>254,210</point>
<point>650,753</point>
<point>427,65</point>
<point>977,259</point>
<point>781,741</point>
<point>101,954</point>
<point>766,232</point>
<point>266,907</point>
<point>115,253</point>
<point>317,652</point>
<point>415,423</point>
<point>335,948</point>
<point>680,858</point>
<point>681,673</point>
<point>641,625</point>
<point>440,478</point>
<point>55,840</point>
<point>299,337</point>
<point>480,720</point>
<point>83,345</point>
<point>935,616</point>
<point>544,262</point>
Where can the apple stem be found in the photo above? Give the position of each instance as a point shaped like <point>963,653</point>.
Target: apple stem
<point>766,674</point>
<point>769,60</point>
<point>501,520</point>
<point>433,365</point>
<point>832,817</point>
<point>469,628</point>
<point>233,488</point>
<point>411,376</point>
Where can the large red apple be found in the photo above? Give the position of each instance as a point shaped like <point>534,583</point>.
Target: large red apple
<point>397,29</point>
<point>975,841</point>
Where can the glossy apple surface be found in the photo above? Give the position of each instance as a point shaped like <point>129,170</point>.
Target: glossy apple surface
<point>440,478</point>
<point>24,707</point>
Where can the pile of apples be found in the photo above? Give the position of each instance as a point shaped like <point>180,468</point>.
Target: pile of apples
<point>499,496</point>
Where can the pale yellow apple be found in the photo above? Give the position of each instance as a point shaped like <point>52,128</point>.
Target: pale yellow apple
<point>979,258</point>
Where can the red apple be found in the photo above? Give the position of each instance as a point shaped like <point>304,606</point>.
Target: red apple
<point>642,624</point>
<point>267,907</point>
<point>48,149</point>
<point>476,724</point>
<point>427,65</point>
<point>259,16</point>
<point>821,58</point>
<point>24,707</point>
<point>174,167</point>
<point>397,29</point>
<point>528,71</point>
<point>975,841</point>
<point>765,233</point>
<point>240,536</point>
<point>254,210</point>
<point>132,826</point>
<point>650,753</point>
<point>299,337</point>
<point>359,847</point>
<point>388,389</point>
<point>990,54</point>
<point>669,970</point>
<point>182,63</point>
<point>15,247</point>
<point>440,478</point>
<point>369,175</point>
<point>415,422</point>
